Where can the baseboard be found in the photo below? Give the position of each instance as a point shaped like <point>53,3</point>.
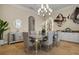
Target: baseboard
<point>16,42</point>
<point>70,41</point>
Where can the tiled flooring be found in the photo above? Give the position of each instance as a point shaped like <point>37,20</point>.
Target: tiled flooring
<point>64,48</point>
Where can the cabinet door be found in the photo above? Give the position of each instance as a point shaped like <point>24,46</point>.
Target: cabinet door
<point>73,37</point>
<point>19,37</point>
<point>11,37</point>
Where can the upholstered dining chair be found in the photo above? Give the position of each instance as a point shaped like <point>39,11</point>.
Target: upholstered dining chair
<point>56,38</point>
<point>27,43</point>
<point>49,41</point>
<point>31,38</point>
<point>25,38</point>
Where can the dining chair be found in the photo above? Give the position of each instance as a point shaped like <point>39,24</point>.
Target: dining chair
<point>25,38</point>
<point>27,43</point>
<point>31,39</point>
<point>49,41</point>
<point>56,38</point>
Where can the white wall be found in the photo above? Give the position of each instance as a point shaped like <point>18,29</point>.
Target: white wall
<point>12,12</point>
<point>69,23</point>
<point>0,10</point>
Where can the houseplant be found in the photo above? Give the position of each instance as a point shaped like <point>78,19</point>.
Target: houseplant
<point>3,28</point>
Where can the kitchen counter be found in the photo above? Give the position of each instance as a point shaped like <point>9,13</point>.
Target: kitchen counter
<point>71,31</point>
<point>69,36</point>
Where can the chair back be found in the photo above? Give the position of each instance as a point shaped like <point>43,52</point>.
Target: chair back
<point>50,38</point>
<point>25,38</point>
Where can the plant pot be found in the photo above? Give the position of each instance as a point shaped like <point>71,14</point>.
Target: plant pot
<point>1,42</point>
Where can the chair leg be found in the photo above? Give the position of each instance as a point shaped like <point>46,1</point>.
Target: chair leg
<point>49,46</point>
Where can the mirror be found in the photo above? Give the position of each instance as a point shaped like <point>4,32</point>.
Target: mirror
<point>75,15</point>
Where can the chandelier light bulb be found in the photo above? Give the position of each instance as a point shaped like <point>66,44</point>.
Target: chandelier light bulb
<point>50,10</point>
<point>43,14</point>
<point>49,13</point>
<point>39,12</point>
<point>46,10</point>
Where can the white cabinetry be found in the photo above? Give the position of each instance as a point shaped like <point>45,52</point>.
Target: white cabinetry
<point>15,37</point>
<point>70,36</point>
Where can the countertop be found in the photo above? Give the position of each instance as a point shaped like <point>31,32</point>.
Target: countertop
<point>71,31</point>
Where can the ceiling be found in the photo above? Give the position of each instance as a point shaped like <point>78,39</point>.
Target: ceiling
<point>35,7</point>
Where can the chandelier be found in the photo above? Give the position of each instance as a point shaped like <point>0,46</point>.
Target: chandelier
<point>44,10</point>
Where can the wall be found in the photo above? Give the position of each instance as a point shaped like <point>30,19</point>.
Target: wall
<point>0,10</point>
<point>73,37</point>
<point>12,12</point>
<point>69,23</point>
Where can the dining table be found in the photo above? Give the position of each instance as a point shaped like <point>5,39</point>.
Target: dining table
<point>38,39</point>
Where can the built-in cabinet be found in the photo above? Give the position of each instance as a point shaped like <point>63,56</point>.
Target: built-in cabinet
<point>15,37</point>
<point>69,36</point>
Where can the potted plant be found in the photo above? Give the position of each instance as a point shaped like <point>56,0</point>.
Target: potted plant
<point>3,28</point>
